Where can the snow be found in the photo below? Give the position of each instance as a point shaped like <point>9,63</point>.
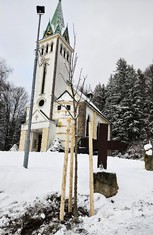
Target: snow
<point>149,152</point>
<point>148,149</point>
<point>128,212</point>
<point>14,148</point>
<point>56,145</point>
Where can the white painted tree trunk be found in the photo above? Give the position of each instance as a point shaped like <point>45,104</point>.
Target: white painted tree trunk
<point>65,171</point>
<point>71,169</point>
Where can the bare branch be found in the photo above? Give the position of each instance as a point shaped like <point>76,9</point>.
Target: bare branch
<point>79,81</point>
<point>84,79</point>
<point>64,106</point>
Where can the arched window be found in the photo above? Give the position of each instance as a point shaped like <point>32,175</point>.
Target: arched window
<point>51,47</point>
<point>67,56</point>
<point>47,49</point>
<point>64,54</point>
<point>42,50</point>
<point>87,126</point>
<point>61,49</point>
<point>43,79</point>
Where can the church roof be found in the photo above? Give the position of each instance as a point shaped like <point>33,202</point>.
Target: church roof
<point>49,30</point>
<point>58,20</point>
<point>66,35</point>
<point>56,24</point>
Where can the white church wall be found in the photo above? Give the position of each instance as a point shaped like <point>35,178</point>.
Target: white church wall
<point>50,60</point>
<point>99,119</point>
<point>61,116</point>
<point>61,73</point>
<point>62,66</point>
<point>52,134</point>
<point>37,125</point>
<point>90,113</point>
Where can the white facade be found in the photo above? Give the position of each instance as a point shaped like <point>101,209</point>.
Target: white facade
<point>54,58</point>
<point>92,114</point>
<point>56,73</point>
<point>51,76</point>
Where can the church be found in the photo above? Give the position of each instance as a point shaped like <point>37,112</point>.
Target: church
<point>49,118</point>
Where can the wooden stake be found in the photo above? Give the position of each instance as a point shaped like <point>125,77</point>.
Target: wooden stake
<point>71,170</point>
<point>65,171</point>
<point>91,170</point>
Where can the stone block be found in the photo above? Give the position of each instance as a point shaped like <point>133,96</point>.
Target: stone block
<point>148,162</point>
<point>105,183</point>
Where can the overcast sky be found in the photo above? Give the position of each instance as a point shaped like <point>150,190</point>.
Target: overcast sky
<point>106,31</point>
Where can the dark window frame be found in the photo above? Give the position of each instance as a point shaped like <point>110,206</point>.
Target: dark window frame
<point>44,79</point>
<point>68,107</point>
<point>61,49</point>
<point>51,47</point>
<point>47,47</point>
<point>59,107</point>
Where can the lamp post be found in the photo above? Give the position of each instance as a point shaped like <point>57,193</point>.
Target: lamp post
<point>40,12</point>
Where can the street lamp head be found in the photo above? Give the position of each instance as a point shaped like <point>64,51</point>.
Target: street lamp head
<point>40,10</point>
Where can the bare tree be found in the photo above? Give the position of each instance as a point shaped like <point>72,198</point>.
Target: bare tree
<point>12,109</point>
<point>76,98</point>
<point>5,70</point>
<point>14,100</point>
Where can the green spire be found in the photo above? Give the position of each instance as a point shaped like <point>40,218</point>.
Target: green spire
<point>58,20</point>
<point>56,25</point>
<point>66,35</point>
<point>48,31</point>
<point>58,30</point>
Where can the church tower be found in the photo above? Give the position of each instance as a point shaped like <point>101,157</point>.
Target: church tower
<point>51,81</point>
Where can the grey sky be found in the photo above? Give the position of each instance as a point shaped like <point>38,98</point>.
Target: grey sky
<point>106,31</point>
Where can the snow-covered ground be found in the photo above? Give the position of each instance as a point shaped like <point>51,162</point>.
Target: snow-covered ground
<point>129,212</point>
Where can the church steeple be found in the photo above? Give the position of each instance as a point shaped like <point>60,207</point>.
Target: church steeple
<point>58,20</point>
<point>56,25</point>
<point>54,59</point>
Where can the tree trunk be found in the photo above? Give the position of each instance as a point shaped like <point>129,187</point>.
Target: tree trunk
<point>65,171</point>
<point>71,169</point>
<point>75,172</point>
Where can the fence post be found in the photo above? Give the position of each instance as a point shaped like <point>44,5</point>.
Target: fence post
<point>91,169</point>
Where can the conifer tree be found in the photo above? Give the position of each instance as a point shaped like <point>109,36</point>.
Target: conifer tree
<point>128,103</point>
<point>148,75</point>
<point>120,107</point>
<point>139,103</point>
<point>99,97</point>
